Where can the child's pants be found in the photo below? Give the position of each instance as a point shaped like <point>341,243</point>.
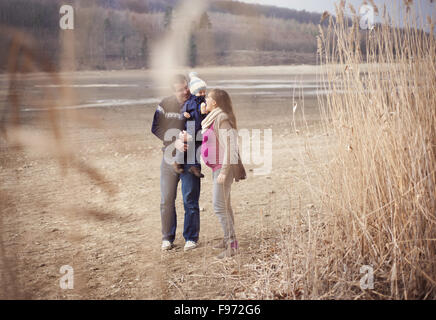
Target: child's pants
<point>183,157</point>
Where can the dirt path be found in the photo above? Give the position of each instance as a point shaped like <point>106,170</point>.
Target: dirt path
<point>52,218</point>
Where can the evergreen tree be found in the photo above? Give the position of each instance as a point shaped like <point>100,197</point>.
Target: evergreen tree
<point>168,17</point>
<point>192,56</point>
<point>106,31</point>
<point>144,51</point>
<point>123,48</point>
<point>205,21</point>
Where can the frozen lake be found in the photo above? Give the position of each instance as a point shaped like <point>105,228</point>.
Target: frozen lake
<point>137,88</point>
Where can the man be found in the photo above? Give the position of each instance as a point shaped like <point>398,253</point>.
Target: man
<point>168,116</point>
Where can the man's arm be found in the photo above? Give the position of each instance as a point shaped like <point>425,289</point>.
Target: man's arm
<point>157,127</point>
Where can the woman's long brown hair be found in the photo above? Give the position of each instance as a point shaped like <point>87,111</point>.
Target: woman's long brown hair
<point>223,101</point>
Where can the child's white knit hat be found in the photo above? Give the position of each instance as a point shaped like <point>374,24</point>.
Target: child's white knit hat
<point>195,83</point>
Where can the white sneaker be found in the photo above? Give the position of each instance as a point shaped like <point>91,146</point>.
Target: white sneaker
<point>189,245</point>
<point>167,245</point>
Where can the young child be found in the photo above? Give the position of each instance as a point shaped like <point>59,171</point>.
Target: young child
<point>193,110</point>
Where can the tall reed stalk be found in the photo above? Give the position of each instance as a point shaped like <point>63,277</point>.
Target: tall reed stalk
<point>380,186</point>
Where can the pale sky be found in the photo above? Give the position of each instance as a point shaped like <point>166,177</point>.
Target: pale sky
<point>308,5</point>
<point>323,5</point>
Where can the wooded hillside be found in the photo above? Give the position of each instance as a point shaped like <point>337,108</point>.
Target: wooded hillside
<point>114,34</point>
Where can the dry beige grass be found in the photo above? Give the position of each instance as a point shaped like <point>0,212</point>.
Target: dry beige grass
<point>369,176</point>
<point>15,136</point>
<point>377,193</point>
<point>380,185</point>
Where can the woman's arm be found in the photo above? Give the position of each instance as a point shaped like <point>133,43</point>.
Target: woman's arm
<point>227,139</point>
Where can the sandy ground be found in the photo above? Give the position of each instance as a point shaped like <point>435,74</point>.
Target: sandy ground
<point>52,217</point>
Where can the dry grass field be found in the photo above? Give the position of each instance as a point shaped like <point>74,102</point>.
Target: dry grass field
<point>54,215</point>
<point>351,189</point>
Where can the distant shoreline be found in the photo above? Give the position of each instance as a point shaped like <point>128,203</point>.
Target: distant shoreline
<point>269,70</point>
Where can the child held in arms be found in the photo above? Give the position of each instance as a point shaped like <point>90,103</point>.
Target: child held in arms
<point>194,111</point>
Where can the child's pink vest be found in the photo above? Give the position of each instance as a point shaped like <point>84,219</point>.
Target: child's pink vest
<point>210,149</point>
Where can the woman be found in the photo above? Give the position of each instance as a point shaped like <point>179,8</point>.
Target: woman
<point>219,151</point>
